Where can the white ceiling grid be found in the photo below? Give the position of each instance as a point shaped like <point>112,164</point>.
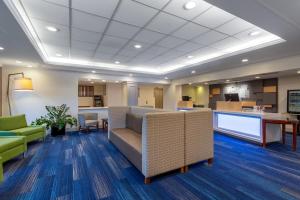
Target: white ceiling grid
<point>102,32</point>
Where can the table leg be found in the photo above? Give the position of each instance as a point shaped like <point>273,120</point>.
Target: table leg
<point>264,133</point>
<point>294,137</point>
<point>283,133</point>
<point>103,124</point>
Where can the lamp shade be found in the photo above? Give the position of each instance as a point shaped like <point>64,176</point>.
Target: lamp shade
<point>23,84</point>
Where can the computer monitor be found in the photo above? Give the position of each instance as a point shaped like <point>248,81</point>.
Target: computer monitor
<point>232,97</point>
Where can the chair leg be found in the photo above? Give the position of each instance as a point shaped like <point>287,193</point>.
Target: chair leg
<point>182,169</point>
<point>147,180</point>
<point>210,161</point>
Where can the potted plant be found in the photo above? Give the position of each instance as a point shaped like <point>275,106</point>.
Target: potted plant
<point>56,119</point>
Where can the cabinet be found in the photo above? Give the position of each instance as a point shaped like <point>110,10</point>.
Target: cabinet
<point>85,91</point>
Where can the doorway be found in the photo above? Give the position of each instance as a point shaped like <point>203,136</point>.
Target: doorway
<point>159,97</point>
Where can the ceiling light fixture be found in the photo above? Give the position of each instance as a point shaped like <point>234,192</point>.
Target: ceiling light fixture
<point>257,77</point>
<point>298,72</point>
<point>92,82</point>
<point>117,62</point>
<point>58,55</point>
<point>227,80</point>
<point>193,72</point>
<point>130,74</point>
<point>137,46</point>
<point>254,33</point>
<point>103,80</point>
<point>190,83</point>
<point>189,57</point>
<point>52,29</point>
<point>19,62</point>
<point>166,78</point>
<point>205,83</point>
<point>1,48</point>
<point>89,79</point>
<point>93,72</point>
<point>29,66</point>
<point>117,81</point>
<point>189,5</point>
<point>245,60</point>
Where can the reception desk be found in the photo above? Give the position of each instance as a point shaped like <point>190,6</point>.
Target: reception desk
<point>247,125</point>
<point>234,105</point>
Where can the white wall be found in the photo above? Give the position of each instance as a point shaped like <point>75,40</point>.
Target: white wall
<point>172,94</point>
<point>285,84</point>
<point>50,88</point>
<point>114,94</point>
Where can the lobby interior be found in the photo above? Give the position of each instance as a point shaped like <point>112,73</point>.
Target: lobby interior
<point>148,99</point>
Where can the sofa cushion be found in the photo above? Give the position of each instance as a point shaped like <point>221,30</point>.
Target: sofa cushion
<point>134,122</point>
<point>28,130</point>
<point>129,136</point>
<point>13,122</point>
<point>7,143</point>
<point>129,143</point>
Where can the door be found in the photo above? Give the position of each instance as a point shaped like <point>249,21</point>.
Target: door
<point>159,97</point>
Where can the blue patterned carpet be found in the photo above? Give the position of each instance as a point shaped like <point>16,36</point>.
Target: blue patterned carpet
<point>81,166</point>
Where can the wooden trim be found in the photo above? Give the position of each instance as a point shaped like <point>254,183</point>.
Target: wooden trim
<point>270,89</point>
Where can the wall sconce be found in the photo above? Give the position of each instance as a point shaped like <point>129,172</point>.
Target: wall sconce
<point>20,84</point>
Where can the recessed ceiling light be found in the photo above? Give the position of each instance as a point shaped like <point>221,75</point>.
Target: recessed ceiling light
<point>166,78</point>
<point>205,83</point>
<point>193,72</point>
<point>52,29</point>
<point>137,46</point>
<point>19,62</point>
<point>117,62</point>
<point>103,80</point>
<point>29,66</point>
<point>130,74</point>
<point>227,80</point>
<point>58,55</point>
<point>89,79</point>
<point>189,5</point>
<point>92,82</point>
<point>1,48</point>
<point>257,77</point>
<point>190,83</point>
<point>245,60</point>
<point>93,72</point>
<point>298,72</point>
<point>254,33</point>
<point>189,57</point>
<point>117,81</point>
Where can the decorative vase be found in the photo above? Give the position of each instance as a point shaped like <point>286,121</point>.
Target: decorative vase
<point>55,131</point>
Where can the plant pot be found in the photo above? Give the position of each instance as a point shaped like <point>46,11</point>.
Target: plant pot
<point>55,131</point>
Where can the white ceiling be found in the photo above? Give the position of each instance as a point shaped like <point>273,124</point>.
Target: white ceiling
<point>97,33</point>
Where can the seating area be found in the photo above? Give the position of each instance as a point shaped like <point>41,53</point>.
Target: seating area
<point>149,99</point>
<point>157,141</point>
<point>15,134</point>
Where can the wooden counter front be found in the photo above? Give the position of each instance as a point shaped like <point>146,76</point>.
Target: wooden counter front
<point>234,105</point>
<point>185,104</point>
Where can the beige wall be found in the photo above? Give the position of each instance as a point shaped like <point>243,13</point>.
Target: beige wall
<point>172,94</point>
<point>85,101</point>
<point>146,95</point>
<point>199,94</point>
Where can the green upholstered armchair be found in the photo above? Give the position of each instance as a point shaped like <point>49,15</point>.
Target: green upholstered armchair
<point>10,147</point>
<point>17,126</point>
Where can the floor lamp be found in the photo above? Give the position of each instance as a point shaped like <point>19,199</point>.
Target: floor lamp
<point>20,84</point>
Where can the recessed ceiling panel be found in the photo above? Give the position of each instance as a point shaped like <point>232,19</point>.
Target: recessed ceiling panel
<point>164,32</point>
<point>134,13</point>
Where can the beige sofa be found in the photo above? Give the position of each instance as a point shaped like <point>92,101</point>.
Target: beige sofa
<point>164,141</point>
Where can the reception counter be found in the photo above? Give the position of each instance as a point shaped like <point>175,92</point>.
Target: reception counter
<point>247,125</point>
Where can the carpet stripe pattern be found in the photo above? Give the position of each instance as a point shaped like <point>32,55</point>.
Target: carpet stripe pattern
<point>86,167</point>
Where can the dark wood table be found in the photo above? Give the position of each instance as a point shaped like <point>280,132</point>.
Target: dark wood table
<point>283,123</point>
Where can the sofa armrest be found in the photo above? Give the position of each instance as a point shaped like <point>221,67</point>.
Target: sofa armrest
<point>199,142</point>
<point>162,142</point>
<point>117,117</point>
<point>7,133</point>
